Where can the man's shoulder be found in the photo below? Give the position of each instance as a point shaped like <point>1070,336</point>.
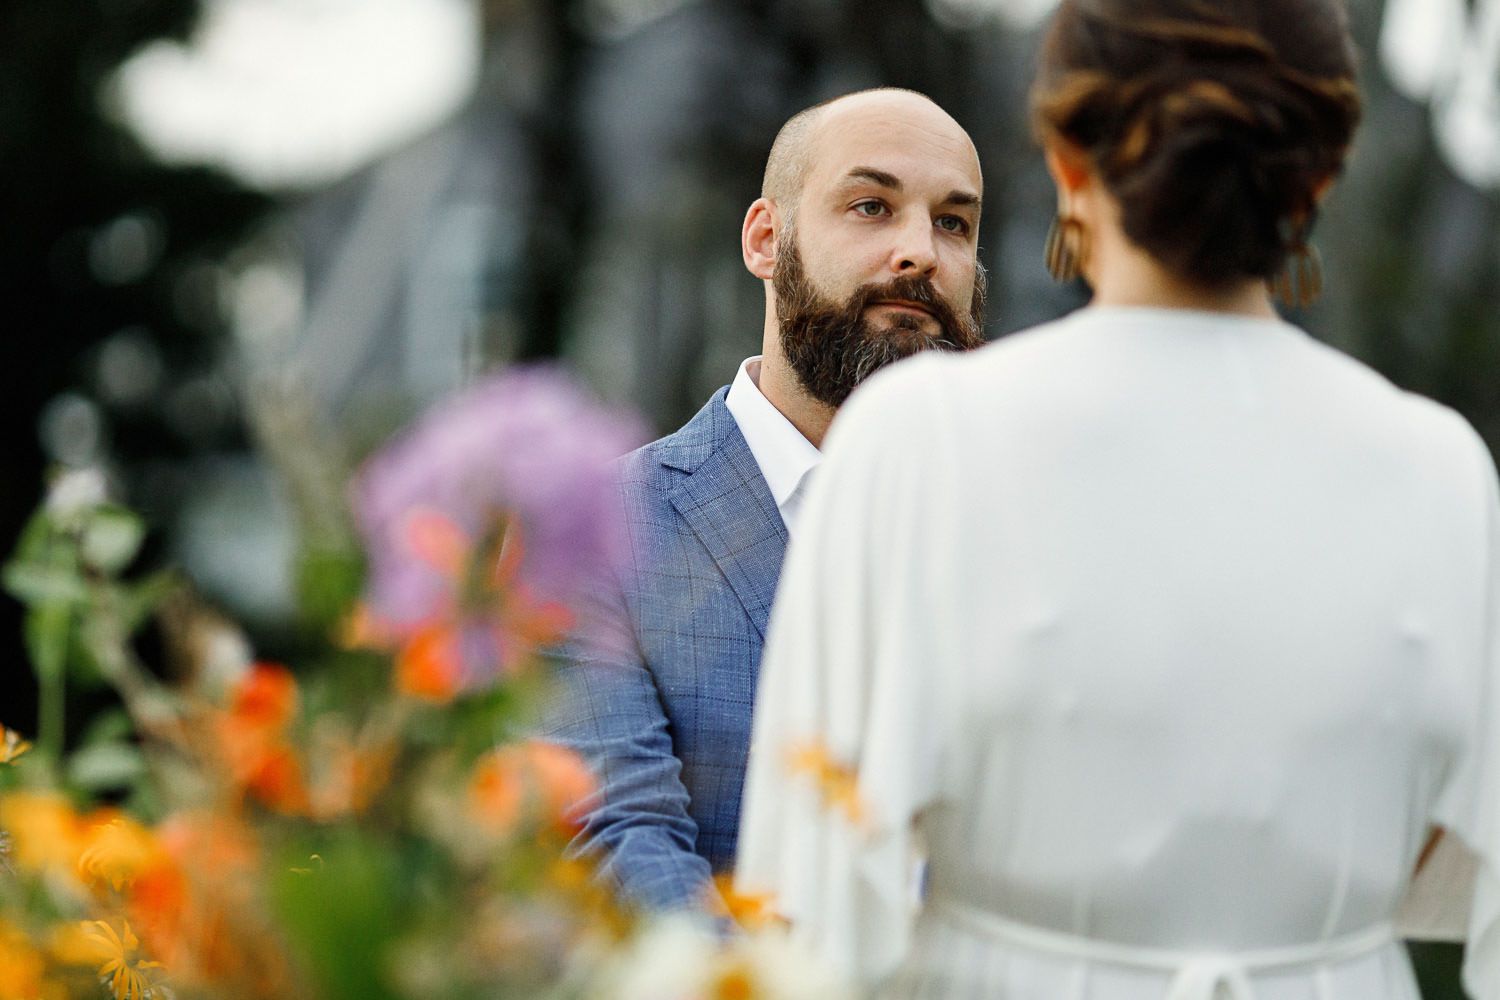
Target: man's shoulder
<point>681,451</point>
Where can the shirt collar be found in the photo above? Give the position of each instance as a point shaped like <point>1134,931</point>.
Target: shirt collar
<point>785,457</point>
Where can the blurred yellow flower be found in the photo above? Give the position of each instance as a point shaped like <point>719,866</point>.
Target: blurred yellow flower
<point>573,879</point>
<point>45,832</point>
<point>122,967</point>
<point>22,966</point>
<point>752,912</point>
<point>735,981</point>
<point>838,783</point>
<point>569,874</point>
<point>117,849</point>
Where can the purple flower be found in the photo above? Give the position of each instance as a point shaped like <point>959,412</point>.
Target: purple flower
<point>527,444</point>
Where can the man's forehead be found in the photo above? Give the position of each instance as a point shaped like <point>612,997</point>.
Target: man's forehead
<point>907,138</point>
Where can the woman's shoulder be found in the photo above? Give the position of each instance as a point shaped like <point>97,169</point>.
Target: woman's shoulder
<point>1378,414</point>
<point>1363,383</point>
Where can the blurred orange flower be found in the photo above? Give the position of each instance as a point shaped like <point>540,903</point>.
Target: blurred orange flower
<point>550,780</point>
<point>209,840</point>
<point>161,906</point>
<point>276,779</point>
<point>251,737</point>
<point>524,621</point>
<point>266,696</point>
<point>167,906</point>
<point>346,776</point>
<point>430,663</point>
<point>486,620</point>
<point>197,910</point>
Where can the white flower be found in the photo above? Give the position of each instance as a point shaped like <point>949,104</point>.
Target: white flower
<point>681,958</point>
<point>76,492</point>
<point>781,968</point>
<point>671,959</point>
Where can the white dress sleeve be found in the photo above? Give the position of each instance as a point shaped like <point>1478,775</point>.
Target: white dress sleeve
<point>1470,806</point>
<point>845,743</point>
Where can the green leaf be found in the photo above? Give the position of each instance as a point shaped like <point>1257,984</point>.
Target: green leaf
<point>105,766</point>
<point>37,583</point>
<point>112,725</point>
<point>35,539</point>
<point>112,537</point>
<point>329,581</point>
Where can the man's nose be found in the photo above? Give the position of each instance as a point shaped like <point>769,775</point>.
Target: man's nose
<point>915,252</point>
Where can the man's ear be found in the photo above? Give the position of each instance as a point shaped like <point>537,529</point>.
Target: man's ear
<point>758,237</point>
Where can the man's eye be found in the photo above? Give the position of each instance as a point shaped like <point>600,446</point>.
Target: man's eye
<point>952,224</point>
<point>870,208</point>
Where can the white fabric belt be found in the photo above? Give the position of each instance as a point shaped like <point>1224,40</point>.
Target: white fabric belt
<point>1198,975</point>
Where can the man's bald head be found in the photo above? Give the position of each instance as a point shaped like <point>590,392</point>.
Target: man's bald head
<point>791,154</point>
<point>866,235</point>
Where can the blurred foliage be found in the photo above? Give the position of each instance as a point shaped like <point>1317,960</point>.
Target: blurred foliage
<point>282,837</point>
<point>350,830</point>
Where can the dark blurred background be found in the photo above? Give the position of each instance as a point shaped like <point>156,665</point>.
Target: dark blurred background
<point>244,239</point>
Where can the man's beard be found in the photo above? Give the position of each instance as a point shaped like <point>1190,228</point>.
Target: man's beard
<point>833,348</point>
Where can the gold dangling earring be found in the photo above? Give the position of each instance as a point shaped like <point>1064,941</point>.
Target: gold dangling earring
<point>1064,251</point>
<point>1299,283</point>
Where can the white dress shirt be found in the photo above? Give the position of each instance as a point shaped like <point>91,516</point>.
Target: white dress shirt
<point>785,457</point>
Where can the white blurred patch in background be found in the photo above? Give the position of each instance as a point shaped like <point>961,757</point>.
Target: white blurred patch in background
<point>1418,39</point>
<point>1443,53</point>
<point>287,94</point>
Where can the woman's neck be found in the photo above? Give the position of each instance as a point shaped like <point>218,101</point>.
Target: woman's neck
<point>1125,275</point>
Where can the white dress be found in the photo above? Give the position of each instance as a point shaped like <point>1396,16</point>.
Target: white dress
<point>1162,636</point>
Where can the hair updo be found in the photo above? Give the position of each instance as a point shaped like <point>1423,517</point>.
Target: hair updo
<point>1212,122</point>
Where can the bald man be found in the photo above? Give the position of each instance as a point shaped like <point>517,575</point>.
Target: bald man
<point>865,239</point>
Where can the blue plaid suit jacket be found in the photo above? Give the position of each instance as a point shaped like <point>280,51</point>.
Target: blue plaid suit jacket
<point>660,705</point>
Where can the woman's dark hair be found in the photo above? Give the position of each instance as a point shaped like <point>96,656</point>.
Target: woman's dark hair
<point>1213,122</point>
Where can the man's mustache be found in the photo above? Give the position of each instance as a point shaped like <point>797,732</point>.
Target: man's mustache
<point>916,290</point>
<point>958,333</point>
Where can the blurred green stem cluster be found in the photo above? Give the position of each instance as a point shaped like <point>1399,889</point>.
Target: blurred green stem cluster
<point>80,614</point>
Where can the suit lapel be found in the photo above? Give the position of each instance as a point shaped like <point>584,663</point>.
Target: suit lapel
<point>725,501</point>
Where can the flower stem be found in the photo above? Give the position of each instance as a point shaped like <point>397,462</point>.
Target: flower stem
<point>48,627</point>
